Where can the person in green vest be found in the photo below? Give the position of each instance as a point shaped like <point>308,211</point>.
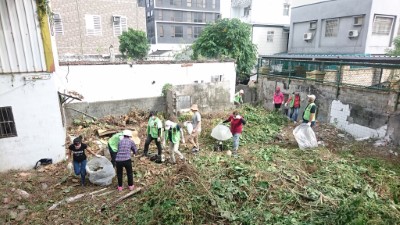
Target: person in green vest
<point>238,100</point>
<point>310,111</point>
<point>174,134</point>
<point>154,127</point>
<point>113,146</point>
<point>294,104</point>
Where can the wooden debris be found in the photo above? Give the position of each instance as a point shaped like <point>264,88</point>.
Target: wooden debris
<point>102,132</point>
<point>122,198</point>
<point>75,198</point>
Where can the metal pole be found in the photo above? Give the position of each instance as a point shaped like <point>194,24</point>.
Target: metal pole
<point>338,80</point>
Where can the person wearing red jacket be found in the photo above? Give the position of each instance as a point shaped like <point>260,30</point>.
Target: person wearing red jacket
<point>294,104</point>
<point>237,123</point>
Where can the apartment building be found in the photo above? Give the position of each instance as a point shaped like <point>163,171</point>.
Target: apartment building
<point>179,22</point>
<point>344,27</point>
<point>92,27</point>
<point>269,20</point>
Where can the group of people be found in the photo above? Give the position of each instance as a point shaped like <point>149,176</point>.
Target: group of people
<point>293,104</point>
<point>121,144</point>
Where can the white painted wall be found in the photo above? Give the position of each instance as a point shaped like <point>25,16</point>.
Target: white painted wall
<point>278,45</point>
<point>38,122</point>
<point>269,11</point>
<point>117,82</point>
<point>338,116</point>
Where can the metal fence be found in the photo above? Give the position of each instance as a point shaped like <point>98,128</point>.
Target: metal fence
<point>380,76</point>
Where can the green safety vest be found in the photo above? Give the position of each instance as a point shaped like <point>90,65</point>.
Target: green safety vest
<point>307,112</point>
<point>152,127</point>
<point>114,141</point>
<point>238,97</point>
<point>176,135</point>
<point>291,104</point>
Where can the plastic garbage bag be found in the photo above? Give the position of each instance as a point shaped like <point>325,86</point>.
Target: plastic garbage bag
<point>221,132</point>
<point>100,170</point>
<point>305,136</point>
<point>189,127</point>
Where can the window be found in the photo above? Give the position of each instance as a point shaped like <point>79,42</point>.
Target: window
<point>177,31</point>
<point>213,4</point>
<point>159,2</point>
<point>358,20</point>
<point>200,3</point>
<point>313,25</point>
<point>270,36</point>
<point>197,31</point>
<point>147,3</point>
<point>160,15</point>
<point>331,28</point>
<point>161,31</point>
<point>286,8</point>
<point>175,2</point>
<point>58,26</point>
<point>217,78</point>
<point>246,11</point>
<point>189,3</point>
<point>120,25</point>
<point>382,25</point>
<point>189,32</point>
<point>177,16</point>
<point>7,124</point>
<point>93,25</point>
<point>189,17</point>
<point>198,18</point>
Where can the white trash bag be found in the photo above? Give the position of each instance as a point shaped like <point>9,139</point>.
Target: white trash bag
<point>189,127</point>
<point>221,132</point>
<point>100,170</point>
<point>305,136</point>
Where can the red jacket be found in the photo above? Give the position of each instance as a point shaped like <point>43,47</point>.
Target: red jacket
<point>236,124</point>
<point>296,103</point>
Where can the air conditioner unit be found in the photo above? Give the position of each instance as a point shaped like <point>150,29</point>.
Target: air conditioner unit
<point>308,36</point>
<point>353,33</point>
<point>116,18</point>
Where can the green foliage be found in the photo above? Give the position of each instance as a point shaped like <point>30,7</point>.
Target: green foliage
<point>166,88</point>
<point>228,38</point>
<point>396,50</point>
<point>134,44</point>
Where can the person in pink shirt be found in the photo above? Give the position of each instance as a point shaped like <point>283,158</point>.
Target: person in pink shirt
<point>278,98</point>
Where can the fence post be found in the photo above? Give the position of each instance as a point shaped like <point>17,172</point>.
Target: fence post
<point>338,80</point>
<point>290,71</point>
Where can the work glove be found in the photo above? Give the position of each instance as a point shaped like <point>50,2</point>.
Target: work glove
<point>238,117</point>
<point>98,156</point>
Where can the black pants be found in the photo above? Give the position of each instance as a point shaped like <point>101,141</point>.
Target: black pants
<point>149,139</point>
<point>113,155</point>
<point>128,167</point>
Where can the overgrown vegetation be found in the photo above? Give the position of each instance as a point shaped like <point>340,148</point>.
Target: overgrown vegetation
<point>228,38</point>
<point>134,44</point>
<point>267,184</point>
<point>396,50</point>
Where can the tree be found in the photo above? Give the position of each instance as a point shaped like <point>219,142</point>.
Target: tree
<point>133,44</point>
<point>228,38</point>
<point>396,50</point>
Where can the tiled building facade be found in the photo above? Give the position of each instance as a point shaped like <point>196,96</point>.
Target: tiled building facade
<point>179,21</point>
<point>91,27</point>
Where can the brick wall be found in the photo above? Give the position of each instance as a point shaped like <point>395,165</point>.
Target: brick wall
<point>75,41</point>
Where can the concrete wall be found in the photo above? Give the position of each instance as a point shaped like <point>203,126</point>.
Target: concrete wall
<point>76,41</point>
<point>37,116</point>
<point>114,108</point>
<point>117,82</point>
<point>210,97</point>
<point>361,112</point>
<point>278,44</point>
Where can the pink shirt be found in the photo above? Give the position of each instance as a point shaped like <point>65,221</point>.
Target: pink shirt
<point>278,98</point>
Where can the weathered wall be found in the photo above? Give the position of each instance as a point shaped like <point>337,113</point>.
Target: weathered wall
<point>361,112</point>
<point>116,82</point>
<point>115,108</point>
<point>210,97</point>
<point>37,116</point>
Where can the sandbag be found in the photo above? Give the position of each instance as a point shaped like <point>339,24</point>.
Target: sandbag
<point>221,132</point>
<point>100,170</point>
<point>305,136</point>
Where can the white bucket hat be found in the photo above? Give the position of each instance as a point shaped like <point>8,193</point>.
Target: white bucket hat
<point>241,91</point>
<point>312,97</point>
<point>168,124</point>
<point>127,133</point>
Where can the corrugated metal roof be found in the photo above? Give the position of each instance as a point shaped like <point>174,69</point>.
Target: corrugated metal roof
<point>21,45</point>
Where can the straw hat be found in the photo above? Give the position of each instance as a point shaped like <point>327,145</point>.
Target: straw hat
<point>194,107</point>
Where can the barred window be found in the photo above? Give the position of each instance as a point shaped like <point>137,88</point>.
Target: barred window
<point>7,124</point>
<point>119,25</point>
<point>93,25</point>
<point>197,31</point>
<point>189,32</point>
<point>58,25</point>
<point>270,36</point>
<point>189,3</point>
<point>177,31</point>
<point>382,25</point>
<point>331,28</point>
<point>286,8</point>
<point>161,31</point>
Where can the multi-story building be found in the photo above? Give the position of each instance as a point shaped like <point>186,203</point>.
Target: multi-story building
<point>179,22</point>
<point>344,27</point>
<point>269,20</point>
<point>92,27</point>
